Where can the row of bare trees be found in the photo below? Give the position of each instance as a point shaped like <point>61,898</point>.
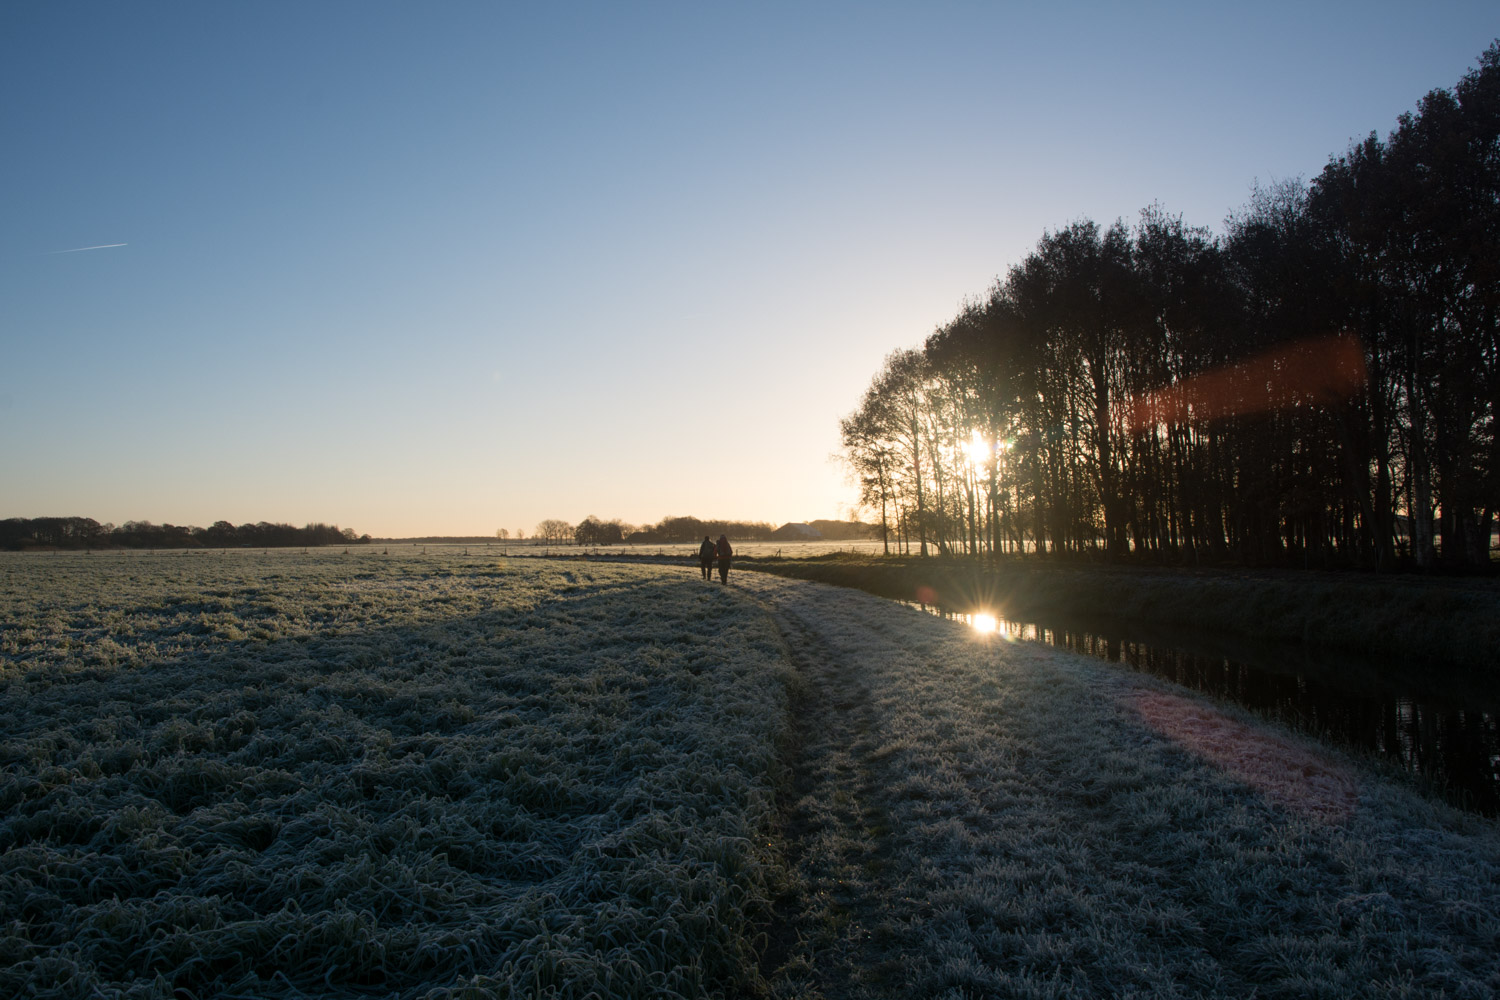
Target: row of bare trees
<point>594,531</point>
<point>1317,386</point>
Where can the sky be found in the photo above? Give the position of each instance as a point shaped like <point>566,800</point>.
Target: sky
<point>444,268</point>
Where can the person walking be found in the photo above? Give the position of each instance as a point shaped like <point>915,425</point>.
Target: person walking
<point>706,558</point>
<point>723,551</point>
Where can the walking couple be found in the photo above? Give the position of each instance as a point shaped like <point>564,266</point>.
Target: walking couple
<point>708,551</point>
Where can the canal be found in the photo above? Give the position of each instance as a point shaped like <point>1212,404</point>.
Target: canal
<point>1416,717</point>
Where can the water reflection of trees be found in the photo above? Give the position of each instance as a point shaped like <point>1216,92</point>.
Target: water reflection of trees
<point>1454,749</point>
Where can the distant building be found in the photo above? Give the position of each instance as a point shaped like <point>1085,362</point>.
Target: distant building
<point>796,531</point>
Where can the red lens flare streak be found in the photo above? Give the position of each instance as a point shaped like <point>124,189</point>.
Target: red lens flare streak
<point>1306,373</point>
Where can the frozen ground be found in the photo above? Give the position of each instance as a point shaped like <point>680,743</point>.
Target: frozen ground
<point>277,775</point>
<point>433,775</point>
<point>975,818</point>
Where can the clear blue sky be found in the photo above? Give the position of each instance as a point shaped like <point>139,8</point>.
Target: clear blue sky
<point>443,268</point>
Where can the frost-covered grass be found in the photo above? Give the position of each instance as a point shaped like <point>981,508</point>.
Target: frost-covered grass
<point>974,818</point>
<point>328,775</point>
<point>407,775</point>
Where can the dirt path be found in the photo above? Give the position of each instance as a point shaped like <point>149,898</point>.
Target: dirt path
<point>836,823</point>
<point>971,817</point>
<point>846,932</point>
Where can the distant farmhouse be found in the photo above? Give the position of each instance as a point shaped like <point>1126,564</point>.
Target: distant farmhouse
<point>825,531</point>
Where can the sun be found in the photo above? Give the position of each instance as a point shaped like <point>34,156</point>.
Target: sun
<point>984,623</point>
<point>978,450</point>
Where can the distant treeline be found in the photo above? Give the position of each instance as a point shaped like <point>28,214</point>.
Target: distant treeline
<point>85,533</point>
<point>672,530</point>
<point>691,529</point>
<point>439,540</point>
<point>669,530</point>
<point>1317,387</point>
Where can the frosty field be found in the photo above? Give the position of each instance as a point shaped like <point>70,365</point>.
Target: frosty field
<point>977,818</point>
<point>327,775</point>
<point>446,775</point>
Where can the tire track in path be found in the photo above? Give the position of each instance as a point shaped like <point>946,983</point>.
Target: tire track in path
<point>833,939</point>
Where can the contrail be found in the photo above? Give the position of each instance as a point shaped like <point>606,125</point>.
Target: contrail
<point>102,246</point>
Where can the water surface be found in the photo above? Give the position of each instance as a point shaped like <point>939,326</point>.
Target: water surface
<point>1441,731</point>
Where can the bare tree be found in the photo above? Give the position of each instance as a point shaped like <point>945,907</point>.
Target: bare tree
<point>553,530</point>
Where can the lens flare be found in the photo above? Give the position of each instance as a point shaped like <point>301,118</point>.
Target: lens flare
<point>1306,373</point>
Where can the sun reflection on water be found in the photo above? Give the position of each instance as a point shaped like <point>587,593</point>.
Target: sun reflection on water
<point>982,622</point>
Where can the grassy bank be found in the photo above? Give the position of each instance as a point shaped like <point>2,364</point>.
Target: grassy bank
<point>979,818</point>
<point>1448,620</point>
